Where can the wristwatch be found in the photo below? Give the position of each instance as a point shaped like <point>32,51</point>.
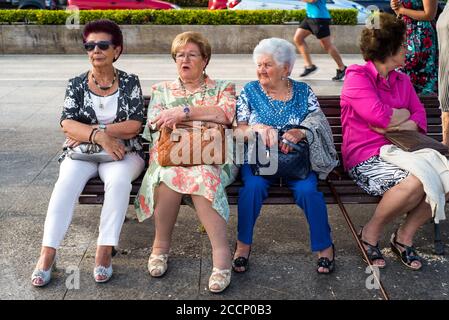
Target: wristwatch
<point>187,112</point>
<point>102,127</point>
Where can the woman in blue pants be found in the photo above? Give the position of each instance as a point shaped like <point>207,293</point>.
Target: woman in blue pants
<point>275,102</point>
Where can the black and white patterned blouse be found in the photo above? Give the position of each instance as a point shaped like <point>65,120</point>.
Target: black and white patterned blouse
<point>78,104</point>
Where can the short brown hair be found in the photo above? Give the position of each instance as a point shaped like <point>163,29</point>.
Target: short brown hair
<point>106,26</point>
<point>381,43</point>
<point>193,37</point>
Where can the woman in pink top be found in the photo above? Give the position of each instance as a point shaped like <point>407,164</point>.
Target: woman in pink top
<point>375,99</point>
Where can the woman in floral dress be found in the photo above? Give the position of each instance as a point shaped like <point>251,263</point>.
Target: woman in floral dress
<point>421,61</point>
<point>193,96</point>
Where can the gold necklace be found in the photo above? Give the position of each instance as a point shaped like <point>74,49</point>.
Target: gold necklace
<point>203,90</point>
<point>104,88</point>
<point>270,99</point>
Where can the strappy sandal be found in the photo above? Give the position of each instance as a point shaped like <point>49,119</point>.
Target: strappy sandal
<point>41,277</point>
<point>324,262</point>
<point>158,264</point>
<point>408,255</point>
<point>219,280</point>
<point>373,252</point>
<point>103,274</point>
<point>241,262</point>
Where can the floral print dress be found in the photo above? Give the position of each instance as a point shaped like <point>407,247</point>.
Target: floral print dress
<point>421,61</point>
<point>208,181</point>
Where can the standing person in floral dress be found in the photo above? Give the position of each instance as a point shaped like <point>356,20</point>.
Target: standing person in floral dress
<point>421,61</point>
<point>192,96</point>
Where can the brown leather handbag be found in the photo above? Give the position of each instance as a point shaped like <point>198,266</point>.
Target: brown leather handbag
<point>192,143</point>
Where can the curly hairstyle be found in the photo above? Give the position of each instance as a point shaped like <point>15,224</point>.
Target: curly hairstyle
<point>377,44</point>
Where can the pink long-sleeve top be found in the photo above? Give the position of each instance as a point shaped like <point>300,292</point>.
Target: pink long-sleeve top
<point>367,99</point>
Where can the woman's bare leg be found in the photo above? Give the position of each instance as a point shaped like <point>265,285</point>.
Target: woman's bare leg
<point>166,211</point>
<point>216,229</point>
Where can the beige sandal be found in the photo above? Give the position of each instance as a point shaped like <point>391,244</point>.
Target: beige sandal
<point>157,264</point>
<point>219,280</point>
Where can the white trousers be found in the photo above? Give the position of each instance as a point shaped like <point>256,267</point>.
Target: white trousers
<point>73,176</point>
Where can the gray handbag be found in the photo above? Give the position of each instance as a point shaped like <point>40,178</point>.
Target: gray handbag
<point>89,152</point>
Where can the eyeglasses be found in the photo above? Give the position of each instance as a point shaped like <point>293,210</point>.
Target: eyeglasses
<point>102,45</point>
<point>184,56</point>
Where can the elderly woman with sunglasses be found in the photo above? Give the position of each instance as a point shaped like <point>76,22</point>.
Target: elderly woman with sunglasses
<point>102,106</point>
<point>192,96</point>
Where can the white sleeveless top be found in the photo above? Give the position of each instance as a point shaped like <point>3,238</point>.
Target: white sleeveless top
<point>105,107</point>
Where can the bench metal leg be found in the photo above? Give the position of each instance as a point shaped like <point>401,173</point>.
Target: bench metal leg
<point>438,243</point>
<point>354,234</point>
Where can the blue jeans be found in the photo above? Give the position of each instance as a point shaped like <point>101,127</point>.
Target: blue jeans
<point>307,197</point>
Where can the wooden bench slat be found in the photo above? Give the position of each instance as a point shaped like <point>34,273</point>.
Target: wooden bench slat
<point>349,192</point>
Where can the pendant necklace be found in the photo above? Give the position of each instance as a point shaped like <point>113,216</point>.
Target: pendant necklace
<point>203,90</point>
<point>103,88</point>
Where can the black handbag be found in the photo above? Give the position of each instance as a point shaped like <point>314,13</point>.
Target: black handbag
<point>271,163</point>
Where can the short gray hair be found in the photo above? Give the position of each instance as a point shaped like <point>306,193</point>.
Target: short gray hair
<point>282,51</point>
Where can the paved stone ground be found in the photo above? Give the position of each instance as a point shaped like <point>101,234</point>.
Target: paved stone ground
<point>282,266</point>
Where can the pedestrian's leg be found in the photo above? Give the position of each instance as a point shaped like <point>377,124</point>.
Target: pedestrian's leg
<point>329,47</point>
<point>299,39</point>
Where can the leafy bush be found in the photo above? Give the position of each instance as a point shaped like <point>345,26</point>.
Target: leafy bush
<point>172,17</point>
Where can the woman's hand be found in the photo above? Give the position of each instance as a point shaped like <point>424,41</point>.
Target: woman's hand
<point>169,117</point>
<point>396,5</point>
<point>111,145</point>
<point>379,130</point>
<point>269,134</point>
<point>293,136</point>
<point>409,125</point>
<point>72,143</point>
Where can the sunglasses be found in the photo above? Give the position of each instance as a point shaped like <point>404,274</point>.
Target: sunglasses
<point>102,45</point>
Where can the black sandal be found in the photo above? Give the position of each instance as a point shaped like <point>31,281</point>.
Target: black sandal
<point>408,255</point>
<point>241,262</point>
<point>324,262</point>
<point>373,252</point>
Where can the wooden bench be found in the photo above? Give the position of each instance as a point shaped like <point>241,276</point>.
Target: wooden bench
<point>337,188</point>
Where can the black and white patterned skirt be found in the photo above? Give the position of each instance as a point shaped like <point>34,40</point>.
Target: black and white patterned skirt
<point>377,176</point>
